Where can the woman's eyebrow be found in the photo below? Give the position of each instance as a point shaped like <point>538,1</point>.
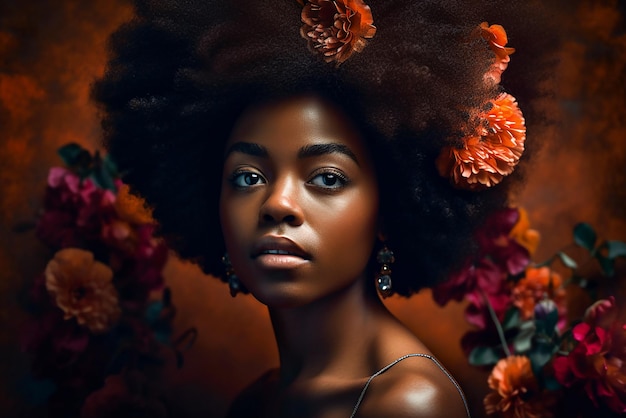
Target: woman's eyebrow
<point>248,148</point>
<point>315,150</point>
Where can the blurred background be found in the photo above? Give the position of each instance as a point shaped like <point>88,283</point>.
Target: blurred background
<point>52,50</point>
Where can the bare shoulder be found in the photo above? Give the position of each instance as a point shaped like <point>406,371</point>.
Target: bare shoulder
<point>414,387</point>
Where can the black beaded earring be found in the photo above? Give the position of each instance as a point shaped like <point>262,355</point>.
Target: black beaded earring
<point>383,279</point>
<point>233,281</point>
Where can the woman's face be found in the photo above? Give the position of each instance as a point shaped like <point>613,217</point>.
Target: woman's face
<point>299,202</point>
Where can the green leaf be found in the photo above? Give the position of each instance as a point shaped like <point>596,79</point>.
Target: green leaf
<point>523,340</point>
<point>547,325</point>
<point>80,163</point>
<point>616,249</point>
<point>540,355</point>
<point>606,264</point>
<point>484,356</point>
<point>110,166</point>
<point>103,179</point>
<point>512,318</point>
<point>585,236</point>
<point>153,311</point>
<point>551,383</point>
<point>35,391</point>
<point>567,260</point>
<point>70,153</point>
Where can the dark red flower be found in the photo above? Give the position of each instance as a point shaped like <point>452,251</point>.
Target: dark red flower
<point>597,364</point>
<point>74,210</point>
<point>482,276</point>
<point>337,29</point>
<point>477,311</point>
<point>127,395</point>
<point>499,255</point>
<point>496,240</point>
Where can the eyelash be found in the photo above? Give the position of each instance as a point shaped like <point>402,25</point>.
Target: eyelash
<point>337,174</point>
<point>240,174</point>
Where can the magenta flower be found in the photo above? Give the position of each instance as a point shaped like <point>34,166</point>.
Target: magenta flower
<point>597,364</point>
<point>495,240</point>
<point>74,210</point>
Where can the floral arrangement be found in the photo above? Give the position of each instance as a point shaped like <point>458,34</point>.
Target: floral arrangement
<point>493,139</point>
<point>100,315</point>
<point>540,365</point>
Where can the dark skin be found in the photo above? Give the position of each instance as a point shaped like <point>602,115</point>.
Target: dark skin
<point>299,212</point>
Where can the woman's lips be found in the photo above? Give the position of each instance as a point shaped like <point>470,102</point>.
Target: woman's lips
<point>277,252</point>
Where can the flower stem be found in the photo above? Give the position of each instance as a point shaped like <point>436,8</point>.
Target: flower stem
<point>496,322</point>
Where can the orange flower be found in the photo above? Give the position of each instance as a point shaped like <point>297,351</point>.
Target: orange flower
<point>515,390</point>
<point>496,36</point>
<point>131,208</point>
<point>523,235</point>
<point>492,151</point>
<point>538,284</point>
<point>337,29</point>
<point>83,289</point>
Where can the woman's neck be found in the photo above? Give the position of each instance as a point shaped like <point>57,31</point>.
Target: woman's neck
<point>329,338</point>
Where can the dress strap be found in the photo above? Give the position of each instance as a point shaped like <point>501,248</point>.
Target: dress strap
<point>393,363</point>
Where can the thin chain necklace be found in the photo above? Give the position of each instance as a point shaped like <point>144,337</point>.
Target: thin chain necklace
<point>390,365</point>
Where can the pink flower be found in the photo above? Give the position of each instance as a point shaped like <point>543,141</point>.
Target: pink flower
<point>74,210</point>
<point>598,362</point>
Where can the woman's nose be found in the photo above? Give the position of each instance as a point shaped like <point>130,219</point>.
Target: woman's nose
<point>282,204</point>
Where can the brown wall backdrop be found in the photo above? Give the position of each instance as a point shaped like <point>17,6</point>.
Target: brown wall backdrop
<point>50,52</point>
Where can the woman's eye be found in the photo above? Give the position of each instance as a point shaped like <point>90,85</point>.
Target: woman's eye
<point>246,179</point>
<point>329,180</point>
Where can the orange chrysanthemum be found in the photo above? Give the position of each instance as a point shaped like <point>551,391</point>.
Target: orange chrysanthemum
<point>537,285</point>
<point>83,289</point>
<point>496,36</point>
<point>492,151</point>
<point>337,29</point>
<point>523,235</point>
<point>515,390</point>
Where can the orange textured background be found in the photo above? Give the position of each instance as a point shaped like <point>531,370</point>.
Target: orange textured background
<point>51,51</point>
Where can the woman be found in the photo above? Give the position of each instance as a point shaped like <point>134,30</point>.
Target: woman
<point>320,178</point>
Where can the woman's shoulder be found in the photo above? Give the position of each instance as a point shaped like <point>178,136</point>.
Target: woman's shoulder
<point>416,385</point>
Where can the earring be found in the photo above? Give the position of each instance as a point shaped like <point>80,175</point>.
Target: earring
<point>233,281</point>
<point>383,279</point>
